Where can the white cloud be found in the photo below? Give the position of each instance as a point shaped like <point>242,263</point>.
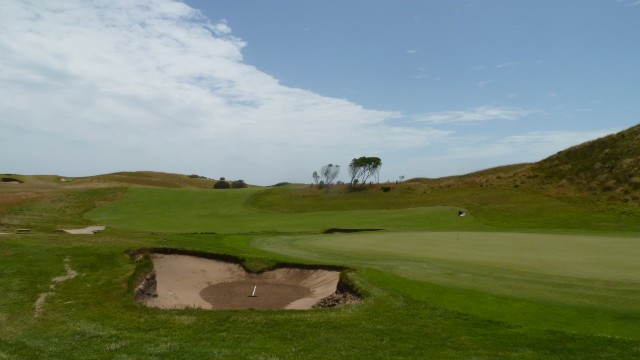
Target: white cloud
<point>99,86</point>
<point>483,113</point>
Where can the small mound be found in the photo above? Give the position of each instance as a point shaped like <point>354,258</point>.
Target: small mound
<point>181,281</point>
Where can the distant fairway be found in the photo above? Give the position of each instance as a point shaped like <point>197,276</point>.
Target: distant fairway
<point>577,282</point>
<point>228,211</point>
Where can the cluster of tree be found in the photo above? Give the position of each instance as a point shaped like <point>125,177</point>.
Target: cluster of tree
<point>326,176</point>
<point>361,170</point>
<point>223,184</point>
<point>364,168</point>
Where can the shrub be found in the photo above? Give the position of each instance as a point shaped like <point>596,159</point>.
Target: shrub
<point>221,184</point>
<point>238,184</point>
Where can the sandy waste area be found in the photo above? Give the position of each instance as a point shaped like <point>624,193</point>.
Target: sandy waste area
<point>186,281</point>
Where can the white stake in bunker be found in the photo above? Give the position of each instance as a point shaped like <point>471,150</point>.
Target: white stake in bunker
<point>253,294</point>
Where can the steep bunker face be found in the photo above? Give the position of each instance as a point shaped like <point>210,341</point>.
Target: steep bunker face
<point>181,281</point>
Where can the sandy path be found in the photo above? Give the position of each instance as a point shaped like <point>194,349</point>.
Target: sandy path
<point>188,281</point>
<point>39,304</point>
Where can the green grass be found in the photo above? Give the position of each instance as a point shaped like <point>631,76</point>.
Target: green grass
<point>93,316</point>
<point>505,207</point>
<point>229,211</point>
<point>436,285</point>
<point>577,283</point>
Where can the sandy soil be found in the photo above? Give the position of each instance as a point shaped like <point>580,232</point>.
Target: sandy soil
<point>187,281</point>
<point>90,230</point>
<point>39,304</point>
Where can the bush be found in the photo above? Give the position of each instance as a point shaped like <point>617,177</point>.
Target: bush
<point>221,184</point>
<point>284,183</point>
<point>238,184</point>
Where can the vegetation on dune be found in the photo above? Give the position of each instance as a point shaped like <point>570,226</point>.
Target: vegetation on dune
<point>609,166</point>
<point>152,178</point>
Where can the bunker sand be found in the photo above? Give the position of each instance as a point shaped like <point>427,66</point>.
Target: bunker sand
<point>188,281</point>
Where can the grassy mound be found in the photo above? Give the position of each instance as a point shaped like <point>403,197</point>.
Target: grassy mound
<point>609,166</point>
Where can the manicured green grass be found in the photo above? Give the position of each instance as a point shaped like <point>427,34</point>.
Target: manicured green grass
<point>578,283</point>
<point>229,211</point>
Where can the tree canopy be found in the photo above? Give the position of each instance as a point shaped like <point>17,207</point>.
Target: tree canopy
<point>363,168</point>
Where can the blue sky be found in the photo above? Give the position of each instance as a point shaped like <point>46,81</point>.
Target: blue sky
<point>269,91</point>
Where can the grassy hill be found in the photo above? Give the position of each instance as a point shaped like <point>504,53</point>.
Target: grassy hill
<point>150,179</point>
<point>607,167</point>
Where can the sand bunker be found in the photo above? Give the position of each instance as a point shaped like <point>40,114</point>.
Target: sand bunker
<point>181,281</point>
<point>90,230</point>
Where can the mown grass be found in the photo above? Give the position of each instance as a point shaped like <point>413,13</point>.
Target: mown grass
<point>505,207</point>
<point>229,211</point>
<point>419,299</point>
<point>582,284</point>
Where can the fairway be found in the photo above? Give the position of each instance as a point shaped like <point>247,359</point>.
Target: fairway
<point>220,211</point>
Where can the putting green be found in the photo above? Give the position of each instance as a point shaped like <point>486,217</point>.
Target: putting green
<point>598,271</point>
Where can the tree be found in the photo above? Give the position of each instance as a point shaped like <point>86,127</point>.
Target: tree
<point>329,173</point>
<point>316,177</point>
<point>363,168</point>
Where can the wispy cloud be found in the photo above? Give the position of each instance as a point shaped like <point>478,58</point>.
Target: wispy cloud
<point>546,141</point>
<point>412,51</point>
<point>480,114</point>
<point>483,83</point>
<point>505,64</point>
<point>106,86</point>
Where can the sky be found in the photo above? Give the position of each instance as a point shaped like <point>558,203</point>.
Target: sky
<point>270,91</point>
